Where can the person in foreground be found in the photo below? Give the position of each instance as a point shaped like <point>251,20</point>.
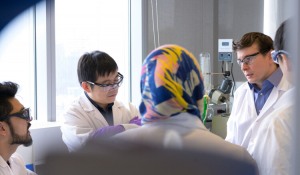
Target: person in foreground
<point>14,125</point>
<point>172,92</point>
<point>96,113</point>
<point>273,154</point>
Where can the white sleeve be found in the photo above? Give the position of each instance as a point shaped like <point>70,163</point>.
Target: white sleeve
<point>277,155</point>
<point>230,133</point>
<point>231,124</point>
<point>134,112</point>
<point>75,130</point>
<point>17,158</point>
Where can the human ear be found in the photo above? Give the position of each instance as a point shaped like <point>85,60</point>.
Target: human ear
<point>86,87</point>
<point>270,56</point>
<point>2,129</point>
<point>286,63</point>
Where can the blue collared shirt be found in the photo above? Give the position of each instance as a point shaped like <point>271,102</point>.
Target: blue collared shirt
<point>108,114</point>
<point>262,95</point>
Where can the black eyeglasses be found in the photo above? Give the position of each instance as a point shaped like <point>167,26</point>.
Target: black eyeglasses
<point>107,87</point>
<point>249,59</point>
<point>24,114</point>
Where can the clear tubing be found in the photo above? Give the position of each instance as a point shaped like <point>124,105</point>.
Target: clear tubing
<point>205,69</point>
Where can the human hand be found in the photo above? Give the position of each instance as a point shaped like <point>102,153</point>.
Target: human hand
<point>136,120</point>
<point>107,131</point>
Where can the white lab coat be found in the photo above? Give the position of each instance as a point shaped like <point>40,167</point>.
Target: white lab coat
<point>17,166</point>
<point>82,119</point>
<point>273,146</point>
<point>193,133</point>
<point>243,123</point>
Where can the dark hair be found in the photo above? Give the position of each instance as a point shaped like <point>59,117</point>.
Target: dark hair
<point>281,38</point>
<point>264,42</point>
<point>7,90</point>
<point>95,64</point>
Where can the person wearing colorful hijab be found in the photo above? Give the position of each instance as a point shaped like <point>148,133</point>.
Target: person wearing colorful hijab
<point>171,106</point>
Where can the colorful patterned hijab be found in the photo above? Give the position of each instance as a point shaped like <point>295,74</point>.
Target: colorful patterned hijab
<point>171,83</point>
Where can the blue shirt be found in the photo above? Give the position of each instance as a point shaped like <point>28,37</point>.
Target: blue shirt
<point>262,95</point>
<point>108,114</point>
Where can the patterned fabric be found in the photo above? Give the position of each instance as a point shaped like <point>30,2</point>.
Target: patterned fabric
<point>171,83</point>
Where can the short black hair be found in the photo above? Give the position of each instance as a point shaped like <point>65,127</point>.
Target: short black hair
<point>95,64</point>
<point>280,41</point>
<point>7,90</point>
<point>264,42</point>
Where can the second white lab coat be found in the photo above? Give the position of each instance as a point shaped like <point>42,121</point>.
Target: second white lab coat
<point>82,119</point>
<point>273,148</point>
<point>17,166</point>
<point>193,133</point>
<point>243,123</point>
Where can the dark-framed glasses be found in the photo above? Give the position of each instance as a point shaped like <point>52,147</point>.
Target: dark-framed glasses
<point>108,87</point>
<point>276,54</point>
<point>24,114</point>
<point>249,59</point>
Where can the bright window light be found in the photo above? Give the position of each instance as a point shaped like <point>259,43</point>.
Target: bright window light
<point>17,56</point>
<point>85,26</point>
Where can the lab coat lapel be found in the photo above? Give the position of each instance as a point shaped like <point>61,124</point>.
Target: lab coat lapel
<point>117,112</point>
<point>275,94</point>
<point>252,113</point>
<point>91,110</point>
<point>14,167</point>
<point>286,99</point>
<point>250,98</point>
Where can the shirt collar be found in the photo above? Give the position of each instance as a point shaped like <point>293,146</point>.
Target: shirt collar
<point>96,105</point>
<point>2,162</point>
<point>274,79</point>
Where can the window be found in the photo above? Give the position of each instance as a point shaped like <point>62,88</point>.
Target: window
<point>17,56</point>
<point>85,26</point>
<point>48,86</point>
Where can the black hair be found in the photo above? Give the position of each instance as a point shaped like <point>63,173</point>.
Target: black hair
<point>264,42</point>
<point>7,90</point>
<point>280,40</point>
<point>95,64</point>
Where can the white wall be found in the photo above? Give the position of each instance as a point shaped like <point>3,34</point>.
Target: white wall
<point>46,139</point>
<point>198,24</point>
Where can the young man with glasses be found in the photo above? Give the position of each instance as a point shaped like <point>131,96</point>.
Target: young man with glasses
<point>97,113</point>
<point>274,148</point>
<point>14,125</point>
<point>254,100</point>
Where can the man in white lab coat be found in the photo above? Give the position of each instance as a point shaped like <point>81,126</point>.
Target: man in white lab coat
<point>97,113</point>
<point>255,99</point>
<point>14,125</point>
<point>273,148</point>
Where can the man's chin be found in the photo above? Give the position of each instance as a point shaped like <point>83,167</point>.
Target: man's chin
<point>250,80</point>
<point>28,143</point>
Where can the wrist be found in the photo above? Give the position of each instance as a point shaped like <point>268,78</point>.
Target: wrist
<point>122,127</point>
